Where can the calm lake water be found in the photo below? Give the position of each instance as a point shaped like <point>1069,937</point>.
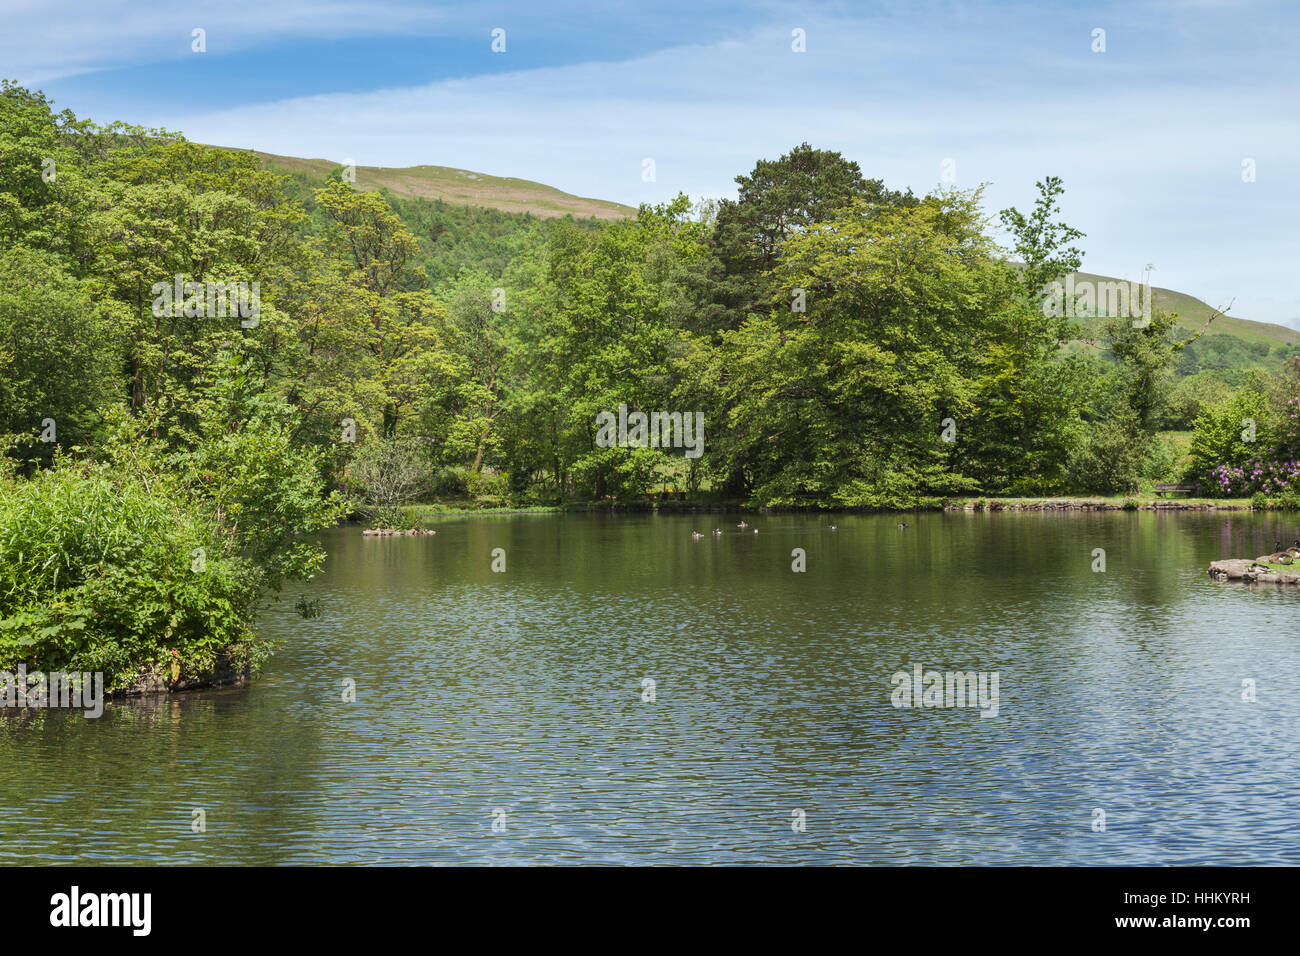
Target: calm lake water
<point>521,692</point>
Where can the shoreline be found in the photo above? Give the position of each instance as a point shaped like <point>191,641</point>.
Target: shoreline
<point>426,512</point>
<point>1104,504</point>
<point>154,683</point>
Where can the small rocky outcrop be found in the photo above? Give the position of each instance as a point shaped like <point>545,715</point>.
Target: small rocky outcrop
<point>1250,572</point>
<point>223,674</point>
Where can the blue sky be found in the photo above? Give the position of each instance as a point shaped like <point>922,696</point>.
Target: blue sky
<point>1149,135</point>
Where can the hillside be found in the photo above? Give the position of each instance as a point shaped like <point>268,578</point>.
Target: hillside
<point>1229,347</point>
<point>1193,313</point>
<point>461,186</point>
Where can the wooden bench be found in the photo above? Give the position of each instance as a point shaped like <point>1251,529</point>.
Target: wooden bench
<point>1162,490</point>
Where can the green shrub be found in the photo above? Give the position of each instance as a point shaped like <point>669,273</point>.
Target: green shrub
<point>397,519</point>
<point>1162,462</point>
<point>450,483</point>
<point>99,572</point>
<point>1218,438</point>
<point>1109,460</point>
<point>488,484</point>
<point>1259,501</point>
<point>152,560</point>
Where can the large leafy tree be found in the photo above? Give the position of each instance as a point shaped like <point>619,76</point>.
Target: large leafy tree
<point>616,335</point>
<point>843,404</point>
<point>778,200</point>
<point>390,306</point>
<point>59,347</point>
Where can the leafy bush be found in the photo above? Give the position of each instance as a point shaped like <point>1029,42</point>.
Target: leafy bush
<point>487,484</point>
<point>263,493</point>
<point>393,518</point>
<point>1191,396</point>
<point>1108,460</point>
<point>154,557</point>
<point>450,483</point>
<point>1163,460</point>
<point>56,346</point>
<point>1221,430</point>
<point>100,572</point>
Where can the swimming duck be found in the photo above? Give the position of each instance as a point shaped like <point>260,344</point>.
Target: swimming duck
<point>717,531</point>
<point>755,531</point>
<point>743,524</point>
<point>696,534</point>
<point>902,526</point>
<point>833,528</point>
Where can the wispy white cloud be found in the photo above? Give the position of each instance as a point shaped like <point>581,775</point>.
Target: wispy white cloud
<point>43,41</point>
<point>1151,177</point>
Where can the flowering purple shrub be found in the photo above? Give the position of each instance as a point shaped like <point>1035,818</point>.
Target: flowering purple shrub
<point>1272,476</point>
<point>1276,471</point>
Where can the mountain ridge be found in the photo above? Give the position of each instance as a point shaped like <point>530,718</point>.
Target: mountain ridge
<point>463,186</point>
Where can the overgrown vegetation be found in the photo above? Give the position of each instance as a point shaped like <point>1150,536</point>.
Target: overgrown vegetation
<point>848,345</point>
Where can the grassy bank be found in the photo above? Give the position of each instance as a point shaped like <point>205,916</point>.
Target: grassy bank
<point>420,515</point>
<point>1278,567</point>
<point>451,509</point>
<point>1101,503</point>
<point>1138,502</point>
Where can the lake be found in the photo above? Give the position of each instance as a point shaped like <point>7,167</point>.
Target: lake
<point>505,717</point>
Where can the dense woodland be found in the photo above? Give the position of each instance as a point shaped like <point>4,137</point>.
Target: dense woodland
<point>849,346</point>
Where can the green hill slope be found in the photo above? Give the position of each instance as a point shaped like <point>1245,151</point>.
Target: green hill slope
<point>461,186</point>
<point>1193,314</point>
